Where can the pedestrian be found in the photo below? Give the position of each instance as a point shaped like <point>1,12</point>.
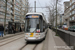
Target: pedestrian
<point>1,30</point>
<point>20,29</point>
<point>13,29</point>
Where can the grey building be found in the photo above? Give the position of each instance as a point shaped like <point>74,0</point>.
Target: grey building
<point>69,13</point>
<point>66,12</point>
<point>15,10</point>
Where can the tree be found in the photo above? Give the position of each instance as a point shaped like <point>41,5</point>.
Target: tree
<point>52,10</point>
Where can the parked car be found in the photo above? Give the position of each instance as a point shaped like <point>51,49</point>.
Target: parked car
<point>71,28</point>
<point>74,28</point>
<point>64,27</point>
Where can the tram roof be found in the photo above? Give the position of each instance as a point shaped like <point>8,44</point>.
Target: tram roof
<point>35,13</point>
<point>39,14</point>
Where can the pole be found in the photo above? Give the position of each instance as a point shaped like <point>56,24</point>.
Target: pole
<point>21,11</point>
<point>13,9</point>
<point>56,16</point>
<point>5,16</point>
<point>34,6</point>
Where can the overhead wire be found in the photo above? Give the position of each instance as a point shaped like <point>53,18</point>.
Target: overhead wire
<point>40,5</point>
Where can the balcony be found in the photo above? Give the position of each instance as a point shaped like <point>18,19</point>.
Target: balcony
<point>72,21</point>
<point>2,10</point>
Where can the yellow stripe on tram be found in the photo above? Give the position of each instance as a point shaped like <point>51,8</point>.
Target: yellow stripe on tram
<point>31,35</point>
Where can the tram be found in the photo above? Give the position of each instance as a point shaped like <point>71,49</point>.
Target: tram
<point>35,27</point>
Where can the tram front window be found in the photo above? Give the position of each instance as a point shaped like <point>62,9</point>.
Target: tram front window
<point>33,25</point>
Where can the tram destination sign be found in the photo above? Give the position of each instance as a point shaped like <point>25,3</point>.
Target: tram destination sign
<point>32,16</point>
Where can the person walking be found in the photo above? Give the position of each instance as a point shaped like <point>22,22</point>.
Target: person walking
<point>13,29</point>
<point>20,29</point>
<point>1,30</point>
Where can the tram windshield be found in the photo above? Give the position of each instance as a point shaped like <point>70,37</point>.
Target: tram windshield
<point>33,23</point>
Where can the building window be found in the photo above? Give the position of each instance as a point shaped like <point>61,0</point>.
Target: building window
<point>74,11</point>
<point>74,5</point>
<point>70,8</point>
<point>1,19</point>
<point>72,18</point>
<point>70,13</point>
<point>7,20</point>
<point>70,3</point>
<point>73,1</point>
<point>1,13</point>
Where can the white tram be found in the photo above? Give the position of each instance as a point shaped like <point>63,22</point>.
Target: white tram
<point>35,27</point>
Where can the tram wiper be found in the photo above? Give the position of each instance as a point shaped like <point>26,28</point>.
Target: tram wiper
<point>34,30</point>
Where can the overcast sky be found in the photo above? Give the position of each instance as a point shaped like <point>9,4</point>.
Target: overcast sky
<point>42,3</point>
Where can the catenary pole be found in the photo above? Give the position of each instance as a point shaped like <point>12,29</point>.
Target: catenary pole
<point>34,6</point>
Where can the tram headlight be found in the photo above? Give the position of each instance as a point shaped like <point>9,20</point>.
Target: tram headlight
<point>26,34</point>
<point>37,36</point>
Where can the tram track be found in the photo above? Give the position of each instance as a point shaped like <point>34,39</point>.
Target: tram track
<point>23,46</point>
<point>9,38</point>
<point>35,47</point>
<point>11,41</point>
<point>26,45</point>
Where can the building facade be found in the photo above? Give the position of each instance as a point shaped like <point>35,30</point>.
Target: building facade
<point>15,10</point>
<point>72,12</point>
<point>2,12</point>
<point>69,13</point>
<point>66,12</point>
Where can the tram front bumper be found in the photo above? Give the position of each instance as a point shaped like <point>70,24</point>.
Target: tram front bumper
<point>33,40</point>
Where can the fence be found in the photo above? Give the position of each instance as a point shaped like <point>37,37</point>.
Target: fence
<point>67,36</point>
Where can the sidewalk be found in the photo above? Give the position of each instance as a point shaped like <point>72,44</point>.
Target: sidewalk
<point>53,42</point>
<point>10,35</point>
<point>60,44</point>
<point>49,42</point>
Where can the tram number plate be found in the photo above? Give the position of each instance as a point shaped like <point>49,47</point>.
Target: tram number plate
<point>31,35</point>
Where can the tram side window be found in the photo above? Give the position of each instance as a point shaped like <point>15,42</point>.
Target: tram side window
<point>41,24</point>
